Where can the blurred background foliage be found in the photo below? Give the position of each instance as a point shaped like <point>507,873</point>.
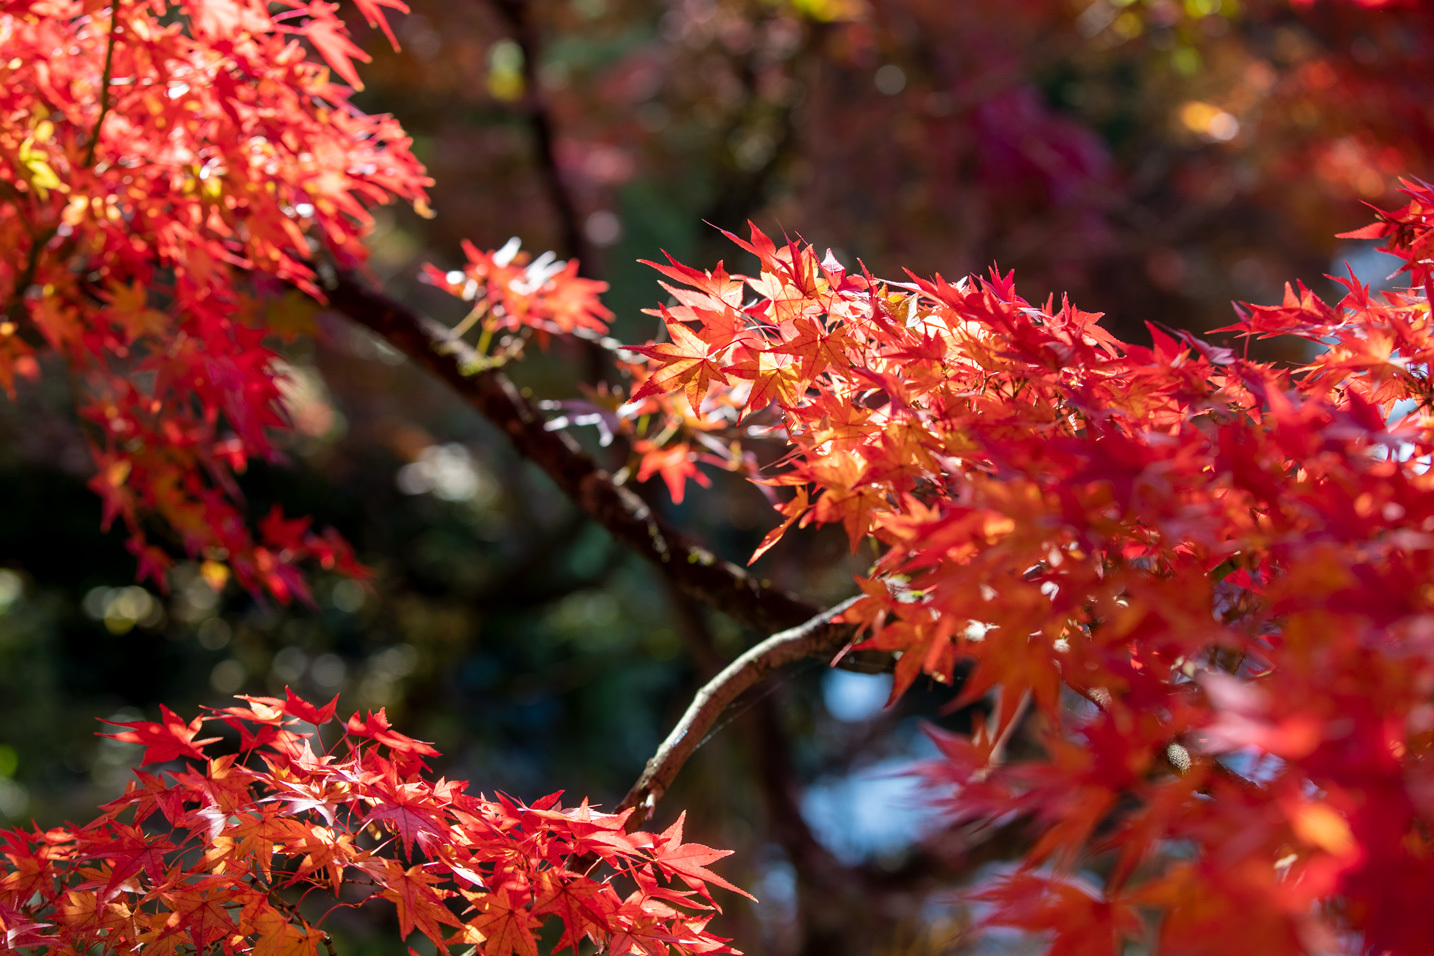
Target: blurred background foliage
<point>1156,160</point>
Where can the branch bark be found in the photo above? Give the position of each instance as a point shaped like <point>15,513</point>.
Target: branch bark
<point>692,569</point>
<point>819,634</point>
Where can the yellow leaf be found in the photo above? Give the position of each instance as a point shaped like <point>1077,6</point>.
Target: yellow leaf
<point>828,11</point>
<point>118,471</point>
<point>1318,824</point>
<point>215,574</point>
<point>41,176</point>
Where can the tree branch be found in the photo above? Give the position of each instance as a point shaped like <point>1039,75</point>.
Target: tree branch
<point>815,636</point>
<point>693,570</point>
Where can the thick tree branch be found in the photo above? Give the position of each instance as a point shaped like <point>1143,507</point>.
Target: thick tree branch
<point>693,570</point>
<point>815,636</point>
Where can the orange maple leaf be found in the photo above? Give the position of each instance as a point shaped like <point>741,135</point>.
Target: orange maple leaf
<point>775,377</point>
<point>816,348</point>
<point>420,905</point>
<point>687,361</point>
<point>673,462</point>
<point>503,925</point>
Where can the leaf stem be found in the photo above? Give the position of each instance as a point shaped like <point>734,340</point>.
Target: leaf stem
<point>474,314</point>
<point>484,340</point>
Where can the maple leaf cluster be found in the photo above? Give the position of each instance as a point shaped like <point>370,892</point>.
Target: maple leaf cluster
<point>1203,583</point>
<point>521,297</point>
<point>251,850</point>
<point>511,292</point>
<point>515,297</point>
<point>1205,579</point>
<point>166,170</point>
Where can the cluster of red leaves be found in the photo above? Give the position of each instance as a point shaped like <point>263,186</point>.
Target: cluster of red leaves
<point>510,293</point>
<point>1212,577</point>
<point>249,852</point>
<point>165,168</point>
<point>666,438</point>
<point>514,298</point>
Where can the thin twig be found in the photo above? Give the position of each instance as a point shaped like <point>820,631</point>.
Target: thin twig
<point>817,635</point>
<point>104,85</point>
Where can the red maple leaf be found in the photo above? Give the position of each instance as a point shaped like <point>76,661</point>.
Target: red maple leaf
<point>377,727</point>
<point>673,462</point>
<point>164,741</point>
<point>689,860</point>
<point>328,35</point>
<point>410,809</point>
<point>583,907</point>
<point>302,709</point>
